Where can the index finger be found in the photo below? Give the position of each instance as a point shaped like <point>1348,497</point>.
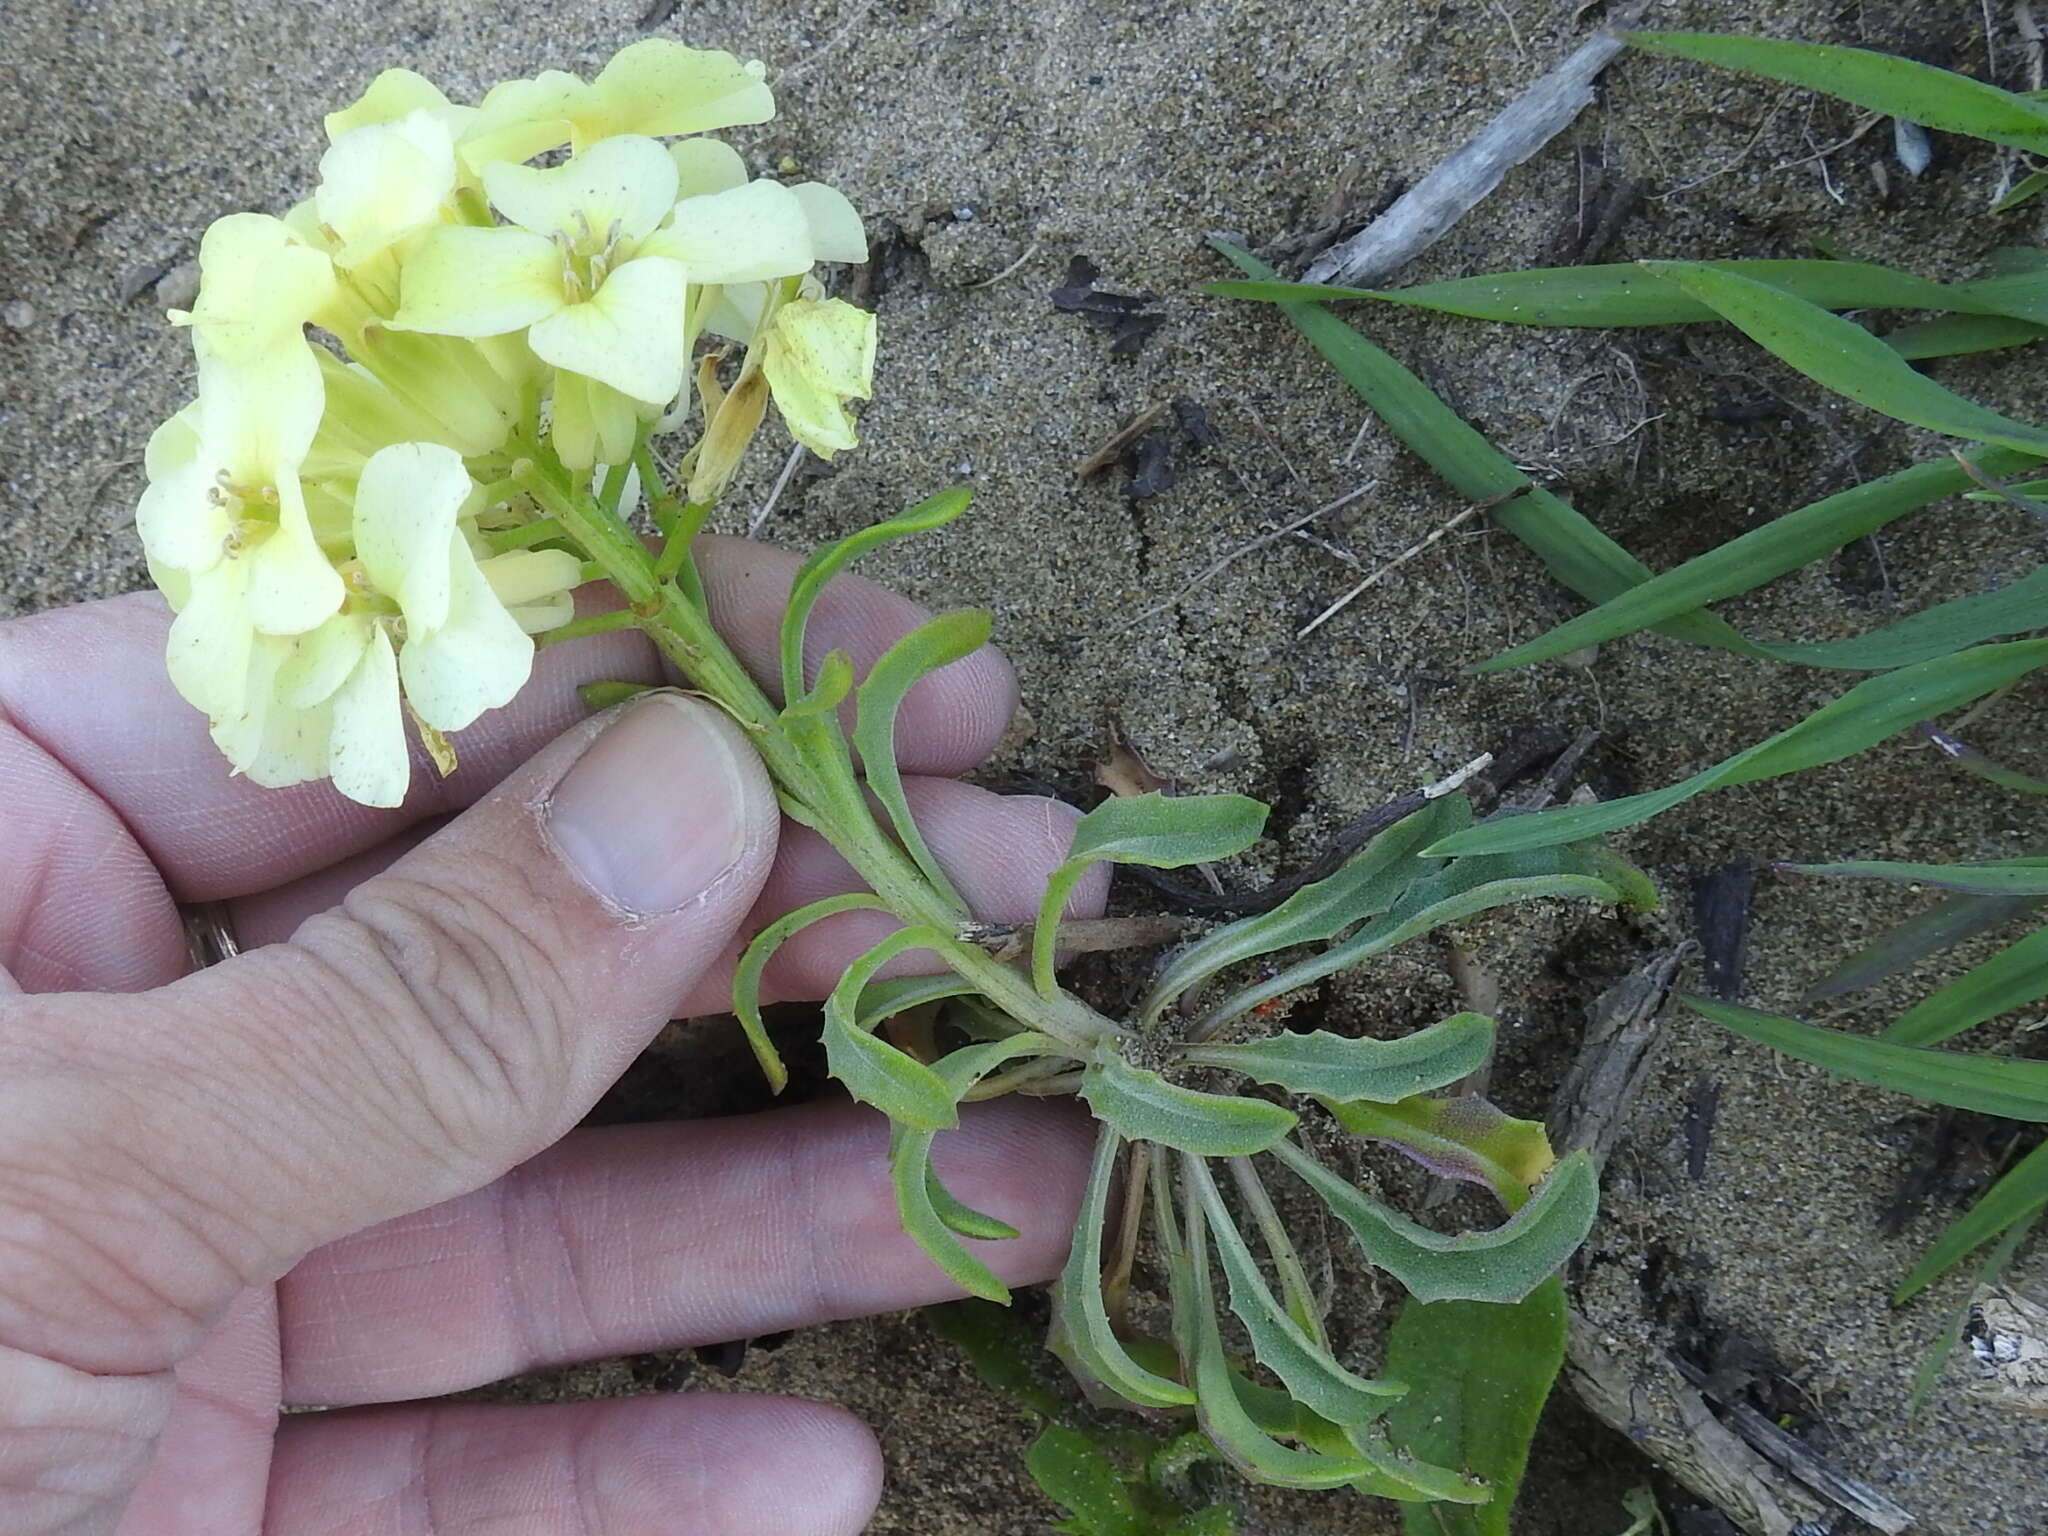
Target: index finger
<point>87,685</point>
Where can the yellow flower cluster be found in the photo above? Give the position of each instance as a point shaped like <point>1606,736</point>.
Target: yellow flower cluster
<point>330,517</point>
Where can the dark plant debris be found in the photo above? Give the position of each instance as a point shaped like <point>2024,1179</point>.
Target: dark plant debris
<point>1127,315</point>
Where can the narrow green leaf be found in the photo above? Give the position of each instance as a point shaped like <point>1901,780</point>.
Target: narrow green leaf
<point>1078,1297</point>
<point>1872,710</point>
<point>1960,335</point>
<point>874,1071</point>
<point>1502,1264</point>
<point>1883,82</point>
<point>1074,1474</point>
<point>1993,877</point>
<point>2013,978</point>
<point>1309,1371</point>
<point>2018,1197</point>
<point>1993,1266</point>
<point>1960,754</point>
<point>835,682</point>
<point>1161,831</point>
<point>899,994</point>
<point>1448,901</point>
<point>1143,1106</point>
<point>2025,190</point>
<point>1940,927</point>
<point>829,560</point>
<point>1366,886</point>
<point>1622,294</point>
<point>1784,544</point>
<point>910,1173</point>
<point>1991,1085</point>
<point>1574,551</point>
<point>1462,1137</point>
<point>1941,630</point>
<point>1249,1448</point>
<point>1339,1068</point>
<point>1845,357</point>
<point>746,976</point>
<point>1481,1374</point>
<point>938,643</point>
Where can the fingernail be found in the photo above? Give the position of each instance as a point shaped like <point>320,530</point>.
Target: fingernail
<point>653,813</point>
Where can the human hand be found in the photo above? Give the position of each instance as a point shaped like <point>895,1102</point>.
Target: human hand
<point>342,1168</point>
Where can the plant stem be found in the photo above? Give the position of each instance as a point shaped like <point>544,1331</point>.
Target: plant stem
<point>831,802</point>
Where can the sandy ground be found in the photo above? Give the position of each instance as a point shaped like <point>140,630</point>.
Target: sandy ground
<point>997,142</point>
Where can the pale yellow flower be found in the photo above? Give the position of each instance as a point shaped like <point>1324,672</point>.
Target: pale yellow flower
<point>818,355</point>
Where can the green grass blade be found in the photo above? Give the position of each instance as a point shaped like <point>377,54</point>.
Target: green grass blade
<point>1575,552</point>
<point>746,976</point>
<point>2017,1198</point>
<point>1143,1106</point>
<point>1481,1375</point>
<point>1845,357</point>
<point>1959,335</point>
<point>1078,1297</point>
<point>1620,294</point>
<point>1369,883</point>
<point>1987,1274</point>
<point>1882,82</point>
<point>1945,628</point>
<point>2025,190</point>
<point>1747,562</point>
<point>1340,1068</point>
<point>1991,1085</point>
<point>2013,978</point>
<point>1960,754</point>
<point>1942,926</point>
<point>946,639</point>
<point>1993,877</point>
<point>1865,715</point>
<point>829,560</point>
<point>1501,1264</point>
<point>873,1070</point>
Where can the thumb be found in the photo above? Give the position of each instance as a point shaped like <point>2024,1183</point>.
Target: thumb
<point>452,1017</point>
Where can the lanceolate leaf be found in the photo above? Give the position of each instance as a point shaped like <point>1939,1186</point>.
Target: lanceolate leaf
<point>874,1071</point>
<point>1462,1137</point>
<point>1862,717</point>
<point>910,1170</point>
<point>1882,82</point>
<point>2020,1196</point>
<point>1309,1371</point>
<point>1070,1469</point>
<point>1845,357</point>
<point>1079,1297</point>
<point>899,994</point>
<point>1144,1106</point>
<point>1480,1376</point>
<point>1164,832</point>
<point>1784,544</point>
<point>1339,1068</point>
<point>828,561</point>
<point>835,682</point>
<point>1999,877</point>
<point>746,978</point>
<point>1502,1264</point>
<point>1940,927</point>
<point>1992,1085</point>
<point>1958,335</point>
<point>938,643</point>
<point>1365,887</point>
<point>1576,553</point>
<point>2013,978</point>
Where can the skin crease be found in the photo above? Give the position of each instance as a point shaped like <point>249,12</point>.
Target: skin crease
<point>343,1169</point>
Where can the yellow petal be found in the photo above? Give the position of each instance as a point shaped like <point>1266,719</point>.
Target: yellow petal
<point>837,233</point>
<point>475,661</point>
<point>391,95</point>
<point>519,119</point>
<point>407,501</point>
<point>627,183</point>
<point>317,663</point>
<point>208,652</point>
<point>736,312</point>
<point>704,166</point>
<point>274,744</point>
<point>292,586</point>
<point>184,525</point>
<point>744,235</point>
<point>384,181</point>
<point>593,423</point>
<point>629,334</point>
<point>366,754</point>
<point>658,86</point>
<point>523,576</point>
<point>463,281</point>
<point>817,356</point>
<point>258,286</point>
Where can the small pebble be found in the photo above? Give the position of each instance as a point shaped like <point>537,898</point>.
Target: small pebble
<point>19,314</point>
<point>179,287</point>
<point>964,213</point>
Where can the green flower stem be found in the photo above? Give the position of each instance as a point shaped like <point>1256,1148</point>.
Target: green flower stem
<point>589,624</point>
<point>525,536</point>
<point>815,774</point>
